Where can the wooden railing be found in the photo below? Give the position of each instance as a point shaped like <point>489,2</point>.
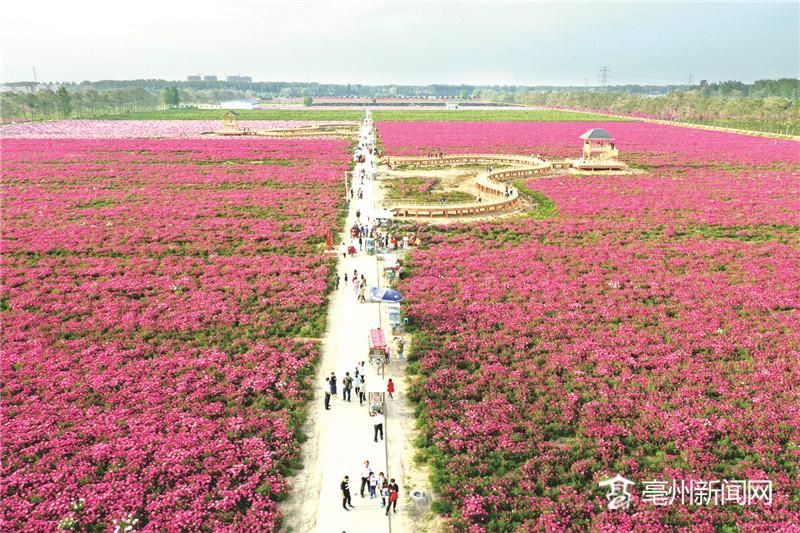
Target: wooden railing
<point>455,159</point>
<point>490,183</point>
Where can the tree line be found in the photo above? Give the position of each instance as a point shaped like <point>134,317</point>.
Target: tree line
<point>773,114</point>
<point>62,103</point>
<point>765,105</point>
<point>785,87</point>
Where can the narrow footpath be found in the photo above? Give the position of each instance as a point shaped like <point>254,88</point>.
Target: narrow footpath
<point>341,439</point>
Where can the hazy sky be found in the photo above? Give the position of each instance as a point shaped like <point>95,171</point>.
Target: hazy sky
<point>531,43</point>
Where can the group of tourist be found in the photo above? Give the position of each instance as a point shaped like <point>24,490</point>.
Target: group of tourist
<point>388,489</point>
<point>374,484</point>
<point>357,381</point>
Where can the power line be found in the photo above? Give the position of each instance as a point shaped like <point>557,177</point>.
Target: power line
<point>605,70</point>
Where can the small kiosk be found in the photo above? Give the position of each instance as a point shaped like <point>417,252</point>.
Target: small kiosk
<point>393,316</point>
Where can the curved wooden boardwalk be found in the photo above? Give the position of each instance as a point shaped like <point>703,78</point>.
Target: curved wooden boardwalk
<point>493,184</point>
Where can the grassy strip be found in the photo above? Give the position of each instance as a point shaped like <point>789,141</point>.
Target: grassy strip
<point>493,115</point>
<point>761,126</point>
<point>244,114</point>
<point>545,208</point>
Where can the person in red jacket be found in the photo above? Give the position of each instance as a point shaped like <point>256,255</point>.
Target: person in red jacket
<point>394,494</point>
<point>390,388</point>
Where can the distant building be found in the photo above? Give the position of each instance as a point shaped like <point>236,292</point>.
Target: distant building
<point>246,103</point>
<point>208,106</point>
<point>598,144</point>
<point>194,78</point>
<point>240,79</point>
<point>209,77</point>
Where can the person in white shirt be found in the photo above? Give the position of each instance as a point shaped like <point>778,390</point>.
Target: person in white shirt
<point>365,473</point>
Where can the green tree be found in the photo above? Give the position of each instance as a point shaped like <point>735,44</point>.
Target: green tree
<point>307,101</point>
<point>64,102</point>
<point>171,97</point>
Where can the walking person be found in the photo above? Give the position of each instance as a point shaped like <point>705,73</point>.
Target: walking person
<point>362,295</point>
<point>394,494</point>
<point>400,347</point>
<point>347,386</point>
<point>337,281</point>
<point>333,384</point>
<point>384,488</point>
<point>346,499</point>
<point>378,425</point>
<point>373,486</point>
<point>365,473</point>
<point>356,381</point>
<point>327,390</point>
<point>390,388</point>
<point>362,385</point>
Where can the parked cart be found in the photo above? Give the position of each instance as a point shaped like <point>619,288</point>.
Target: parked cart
<point>378,348</point>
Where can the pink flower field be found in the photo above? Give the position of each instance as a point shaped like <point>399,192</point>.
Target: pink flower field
<point>666,144</point>
<point>134,129</point>
<point>158,298</point>
<point>650,329</point>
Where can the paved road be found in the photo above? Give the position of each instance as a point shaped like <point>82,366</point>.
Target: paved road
<point>346,431</point>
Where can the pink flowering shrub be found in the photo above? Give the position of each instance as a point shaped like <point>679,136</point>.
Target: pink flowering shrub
<point>157,297</point>
<point>645,143</point>
<point>651,330</point>
<point>426,185</point>
<point>134,129</point>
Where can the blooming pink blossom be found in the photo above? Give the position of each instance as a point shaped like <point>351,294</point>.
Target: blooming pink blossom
<point>651,329</point>
<point>155,293</point>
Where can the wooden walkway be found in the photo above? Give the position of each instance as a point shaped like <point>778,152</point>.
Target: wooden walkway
<point>493,184</point>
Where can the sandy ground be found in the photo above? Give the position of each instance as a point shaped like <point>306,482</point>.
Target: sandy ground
<point>341,439</point>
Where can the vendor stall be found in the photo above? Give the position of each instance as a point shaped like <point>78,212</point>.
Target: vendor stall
<point>378,348</point>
